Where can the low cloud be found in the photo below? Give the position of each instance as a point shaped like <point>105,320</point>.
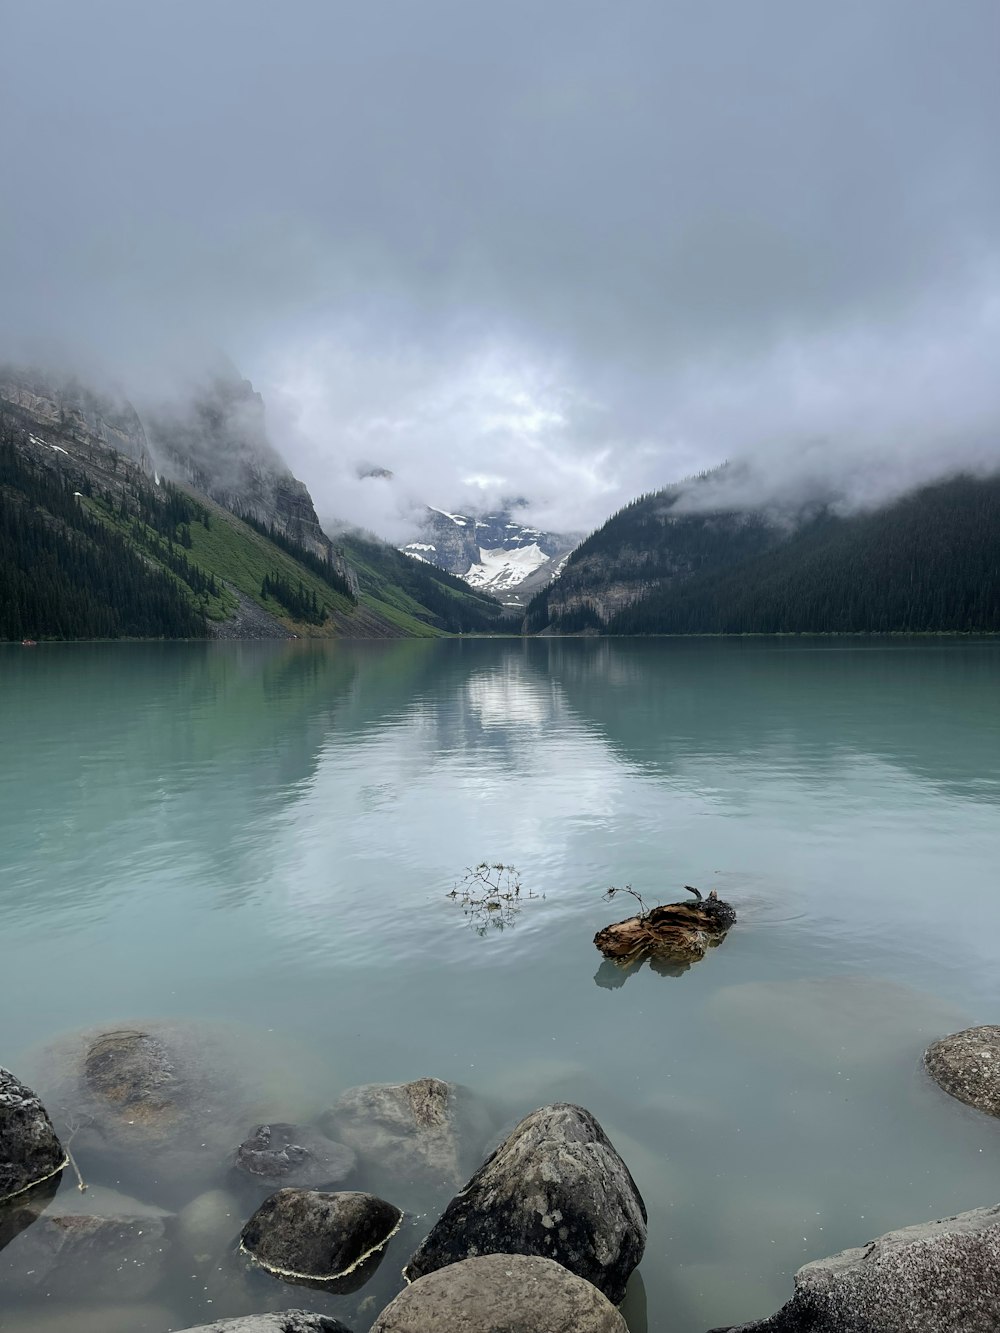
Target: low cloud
<point>852,416</point>
<point>568,251</point>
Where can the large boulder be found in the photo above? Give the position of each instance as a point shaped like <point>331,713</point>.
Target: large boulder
<point>967,1065</point>
<point>937,1277</point>
<point>279,1155</point>
<point>426,1131</point>
<point>555,1188</point>
<point>30,1152</point>
<point>315,1237</point>
<point>98,1241</point>
<point>497,1293</point>
<point>287,1321</point>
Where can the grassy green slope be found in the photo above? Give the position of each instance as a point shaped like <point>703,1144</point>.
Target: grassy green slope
<point>206,554</point>
<point>236,552</point>
<point>233,553</point>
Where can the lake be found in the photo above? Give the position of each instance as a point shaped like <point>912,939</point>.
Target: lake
<point>262,837</point>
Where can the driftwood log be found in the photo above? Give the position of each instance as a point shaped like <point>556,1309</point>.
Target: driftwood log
<point>679,932</point>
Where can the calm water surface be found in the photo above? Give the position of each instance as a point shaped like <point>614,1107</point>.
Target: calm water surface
<point>262,836</point>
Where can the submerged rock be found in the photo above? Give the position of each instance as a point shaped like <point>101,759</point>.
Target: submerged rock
<point>832,1021</point>
<point>19,1212</point>
<point>98,1241</point>
<point>427,1130</point>
<point>158,1104</point>
<point>967,1065</point>
<point>498,1293</point>
<point>937,1277</point>
<point>555,1188</point>
<point>133,1072</point>
<point>207,1224</point>
<point>316,1237</point>
<point>117,1317</point>
<point>287,1321</point>
<point>30,1151</point>
<point>279,1154</point>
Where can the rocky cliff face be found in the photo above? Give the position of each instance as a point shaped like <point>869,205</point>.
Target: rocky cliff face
<point>75,413</point>
<point>216,439</point>
<point>492,551</point>
<point>446,540</point>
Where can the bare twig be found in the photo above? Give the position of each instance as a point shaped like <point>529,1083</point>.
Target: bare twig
<point>627,888</point>
<point>74,1125</point>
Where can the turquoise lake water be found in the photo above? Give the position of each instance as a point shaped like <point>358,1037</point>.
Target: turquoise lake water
<point>262,837</point>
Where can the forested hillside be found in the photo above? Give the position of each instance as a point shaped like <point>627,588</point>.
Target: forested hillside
<point>66,574</point>
<point>93,547</point>
<point>644,545</point>
<point>234,534</point>
<point>927,562</point>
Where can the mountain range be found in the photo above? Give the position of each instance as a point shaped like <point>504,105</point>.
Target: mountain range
<point>186,522</point>
<point>182,520</point>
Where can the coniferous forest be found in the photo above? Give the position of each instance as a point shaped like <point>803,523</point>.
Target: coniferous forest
<point>928,563</point>
<point>65,574</point>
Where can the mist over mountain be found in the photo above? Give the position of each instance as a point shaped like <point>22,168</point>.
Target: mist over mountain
<point>677,562</point>
<point>576,268</point>
<point>184,521</point>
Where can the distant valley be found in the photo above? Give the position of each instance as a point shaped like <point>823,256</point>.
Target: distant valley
<point>183,520</point>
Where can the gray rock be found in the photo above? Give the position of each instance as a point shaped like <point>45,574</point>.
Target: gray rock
<point>497,1293</point>
<point>967,1065</point>
<point>555,1188</point>
<point>279,1154</point>
<point>288,1321</point>
<point>98,1241</point>
<point>937,1277</point>
<point>427,1130</point>
<point>316,1237</point>
<point>30,1152</point>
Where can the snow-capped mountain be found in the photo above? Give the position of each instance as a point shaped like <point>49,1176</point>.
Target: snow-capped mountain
<point>491,551</point>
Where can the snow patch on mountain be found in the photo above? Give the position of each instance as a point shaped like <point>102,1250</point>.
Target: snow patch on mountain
<point>500,569</point>
<point>492,552</point>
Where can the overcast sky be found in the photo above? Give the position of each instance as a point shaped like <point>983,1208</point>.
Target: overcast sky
<point>561,249</point>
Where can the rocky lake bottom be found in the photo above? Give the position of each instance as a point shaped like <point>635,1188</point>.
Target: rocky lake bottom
<point>246,850</point>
